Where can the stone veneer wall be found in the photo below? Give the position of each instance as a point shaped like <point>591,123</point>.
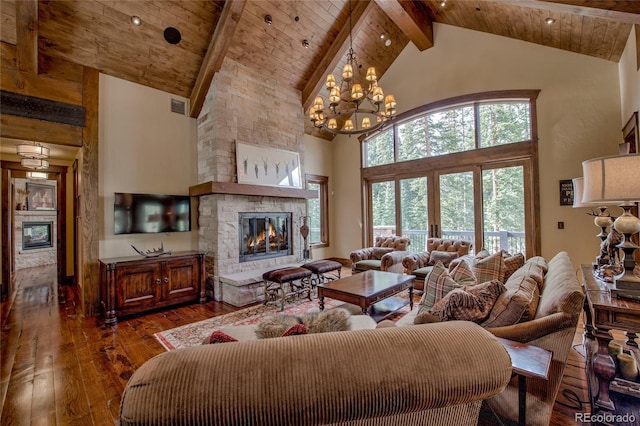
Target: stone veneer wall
<point>243,105</point>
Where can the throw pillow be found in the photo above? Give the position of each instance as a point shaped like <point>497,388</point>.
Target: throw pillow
<point>315,322</point>
<point>327,321</point>
<point>275,326</point>
<point>469,258</point>
<point>490,268</point>
<point>378,252</point>
<point>436,285</point>
<point>517,304</point>
<point>469,303</point>
<point>296,330</point>
<point>463,274</point>
<point>512,264</point>
<point>443,256</point>
<point>218,337</point>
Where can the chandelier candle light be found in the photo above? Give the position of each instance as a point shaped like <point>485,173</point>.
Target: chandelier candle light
<point>616,179</point>
<point>359,105</point>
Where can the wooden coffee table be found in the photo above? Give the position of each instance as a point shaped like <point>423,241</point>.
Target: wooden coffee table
<point>372,291</point>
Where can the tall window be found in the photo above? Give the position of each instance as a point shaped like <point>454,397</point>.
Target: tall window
<point>461,168</point>
<point>318,211</point>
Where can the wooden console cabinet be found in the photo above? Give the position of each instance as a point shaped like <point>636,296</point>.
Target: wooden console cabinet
<point>131,285</point>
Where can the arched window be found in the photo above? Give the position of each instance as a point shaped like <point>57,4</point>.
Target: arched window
<point>461,168</point>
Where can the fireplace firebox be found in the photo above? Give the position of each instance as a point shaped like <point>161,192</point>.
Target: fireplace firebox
<point>264,235</point>
<point>36,235</point>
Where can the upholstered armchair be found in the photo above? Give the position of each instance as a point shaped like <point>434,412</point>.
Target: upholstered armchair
<point>420,264</point>
<point>385,255</point>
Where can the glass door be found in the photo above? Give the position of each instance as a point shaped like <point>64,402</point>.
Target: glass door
<point>414,212</point>
<point>383,202</point>
<point>455,206</point>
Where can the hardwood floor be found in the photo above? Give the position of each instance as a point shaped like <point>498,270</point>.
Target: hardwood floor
<point>59,368</point>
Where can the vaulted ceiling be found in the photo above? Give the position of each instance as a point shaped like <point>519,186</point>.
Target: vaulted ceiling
<point>100,34</point>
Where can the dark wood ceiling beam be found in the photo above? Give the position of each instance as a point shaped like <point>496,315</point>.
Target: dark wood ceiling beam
<point>335,52</point>
<point>27,35</point>
<point>412,18</point>
<point>622,11</point>
<point>220,41</point>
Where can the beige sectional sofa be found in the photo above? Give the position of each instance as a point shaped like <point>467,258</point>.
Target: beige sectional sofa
<point>435,374</point>
<point>558,298</point>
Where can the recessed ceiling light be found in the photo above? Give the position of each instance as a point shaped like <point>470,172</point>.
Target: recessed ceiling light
<point>443,3</point>
<point>305,43</point>
<point>135,20</point>
<point>388,42</point>
<point>382,36</point>
<point>549,21</point>
<point>268,20</point>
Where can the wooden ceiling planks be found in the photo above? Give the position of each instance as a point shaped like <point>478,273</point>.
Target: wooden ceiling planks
<point>100,35</point>
<point>587,32</point>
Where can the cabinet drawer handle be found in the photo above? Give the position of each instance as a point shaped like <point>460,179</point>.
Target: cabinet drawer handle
<point>158,281</point>
<point>166,279</point>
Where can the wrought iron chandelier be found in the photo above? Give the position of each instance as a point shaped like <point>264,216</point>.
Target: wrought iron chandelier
<point>357,104</point>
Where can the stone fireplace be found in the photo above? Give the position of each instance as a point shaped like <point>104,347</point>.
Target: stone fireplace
<point>242,106</point>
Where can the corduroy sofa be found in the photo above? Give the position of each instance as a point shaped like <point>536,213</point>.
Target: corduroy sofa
<point>553,327</point>
<point>435,374</point>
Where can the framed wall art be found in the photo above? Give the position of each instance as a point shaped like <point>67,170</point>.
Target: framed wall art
<point>259,165</point>
<point>41,197</point>
<point>566,192</point>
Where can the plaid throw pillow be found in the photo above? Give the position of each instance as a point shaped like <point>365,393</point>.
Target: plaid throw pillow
<point>490,268</point>
<point>463,274</point>
<point>437,283</point>
<point>512,263</point>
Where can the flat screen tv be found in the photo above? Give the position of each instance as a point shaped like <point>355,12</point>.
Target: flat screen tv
<point>151,213</point>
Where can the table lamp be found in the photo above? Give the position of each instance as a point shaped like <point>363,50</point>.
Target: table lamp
<point>616,179</point>
<point>602,219</point>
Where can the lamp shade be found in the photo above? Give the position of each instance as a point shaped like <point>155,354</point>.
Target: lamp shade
<point>32,150</point>
<point>35,163</point>
<point>578,187</point>
<point>609,180</point>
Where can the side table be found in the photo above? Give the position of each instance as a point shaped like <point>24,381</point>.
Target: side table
<point>526,361</point>
<point>605,313</point>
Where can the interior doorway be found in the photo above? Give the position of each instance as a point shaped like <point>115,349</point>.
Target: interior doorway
<point>21,205</point>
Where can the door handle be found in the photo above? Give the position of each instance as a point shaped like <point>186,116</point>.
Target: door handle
<point>437,231</point>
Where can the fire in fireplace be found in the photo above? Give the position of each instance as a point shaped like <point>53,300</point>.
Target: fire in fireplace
<point>264,235</point>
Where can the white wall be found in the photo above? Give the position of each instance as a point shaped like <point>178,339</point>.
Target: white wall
<point>144,148</point>
<point>578,119</point>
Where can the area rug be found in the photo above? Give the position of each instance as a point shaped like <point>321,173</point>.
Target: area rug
<point>193,334</point>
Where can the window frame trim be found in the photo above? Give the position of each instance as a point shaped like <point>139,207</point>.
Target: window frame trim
<point>526,151</point>
<point>323,196</point>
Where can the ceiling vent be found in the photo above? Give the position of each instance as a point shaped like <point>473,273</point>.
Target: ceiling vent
<point>178,106</point>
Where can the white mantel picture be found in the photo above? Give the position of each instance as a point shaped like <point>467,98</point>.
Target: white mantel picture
<point>268,166</point>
